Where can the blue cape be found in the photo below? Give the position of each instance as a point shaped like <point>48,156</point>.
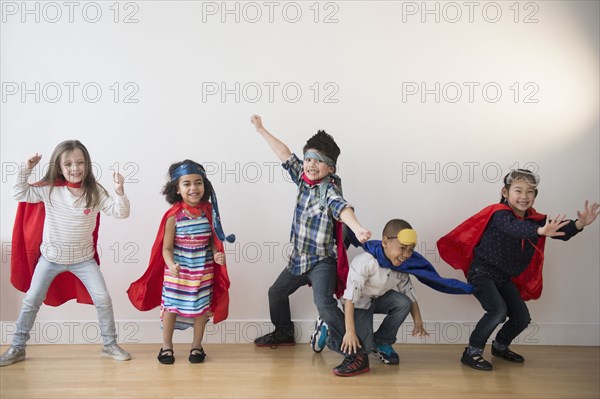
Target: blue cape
<point>419,267</point>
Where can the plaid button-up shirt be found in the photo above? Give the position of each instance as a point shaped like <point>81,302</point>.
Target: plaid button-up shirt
<point>312,230</point>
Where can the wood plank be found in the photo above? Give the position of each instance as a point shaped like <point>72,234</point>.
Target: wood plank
<point>245,371</point>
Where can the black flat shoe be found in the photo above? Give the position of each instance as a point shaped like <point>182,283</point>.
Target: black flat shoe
<point>476,362</point>
<point>508,355</point>
<point>197,355</point>
<point>166,356</point>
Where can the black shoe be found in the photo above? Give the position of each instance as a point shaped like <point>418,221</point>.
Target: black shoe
<point>275,339</point>
<point>197,355</point>
<point>508,355</point>
<point>476,361</point>
<point>166,356</point>
<point>353,365</point>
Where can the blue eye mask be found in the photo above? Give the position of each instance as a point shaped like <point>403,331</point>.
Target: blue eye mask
<point>319,157</point>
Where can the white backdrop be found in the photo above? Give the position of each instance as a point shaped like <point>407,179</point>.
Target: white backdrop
<point>430,102</point>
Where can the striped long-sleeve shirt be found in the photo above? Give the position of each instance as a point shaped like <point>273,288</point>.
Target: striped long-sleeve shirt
<point>68,227</point>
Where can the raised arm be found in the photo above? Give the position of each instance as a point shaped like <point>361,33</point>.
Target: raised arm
<point>280,149</point>
<point>21,190</point>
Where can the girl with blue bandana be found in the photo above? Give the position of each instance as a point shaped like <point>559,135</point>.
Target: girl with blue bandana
<point>187,275</point>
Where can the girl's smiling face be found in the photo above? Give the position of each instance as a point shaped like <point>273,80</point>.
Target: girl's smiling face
<point>72,165</point>
<point>520,196</point>
<point>191,188</point>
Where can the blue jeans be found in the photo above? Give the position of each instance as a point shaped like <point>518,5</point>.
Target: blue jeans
<point>323,278</point>
<point>89,274</point>
<point>395,306</point>
<point>500,299</point>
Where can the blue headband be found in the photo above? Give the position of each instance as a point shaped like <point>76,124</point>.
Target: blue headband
<point>193,169</point>
<point>187,169</point>
<point>319,157</point>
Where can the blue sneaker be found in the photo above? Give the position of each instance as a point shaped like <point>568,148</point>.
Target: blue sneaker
<point>318,339</point>
<point>386,353</point>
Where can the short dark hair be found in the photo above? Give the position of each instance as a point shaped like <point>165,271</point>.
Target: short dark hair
<point>170,189</point>
<point>325,144</point>
<point>394,226</point>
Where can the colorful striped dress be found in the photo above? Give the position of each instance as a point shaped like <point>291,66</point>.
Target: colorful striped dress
<point>189,295</point>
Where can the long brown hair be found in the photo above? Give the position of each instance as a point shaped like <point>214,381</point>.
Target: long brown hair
<point>91,188</point>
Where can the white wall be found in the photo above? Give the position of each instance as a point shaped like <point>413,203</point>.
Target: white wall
<point>433,161</point>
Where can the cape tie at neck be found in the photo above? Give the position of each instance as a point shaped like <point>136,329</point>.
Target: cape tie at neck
<point>62,182</point>
<point>310,182</point>
<point>194,210</point>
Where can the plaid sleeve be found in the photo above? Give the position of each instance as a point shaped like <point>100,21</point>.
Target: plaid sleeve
<point>294,167</point>
<point>335,202</point>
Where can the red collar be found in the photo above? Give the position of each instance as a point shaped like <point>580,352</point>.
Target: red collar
<point>62,182</point>
<point>193,210</point>
<point>310,182</point>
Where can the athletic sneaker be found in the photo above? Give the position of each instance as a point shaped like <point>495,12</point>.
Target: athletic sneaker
<point>318,339</point>
<point>353,365</point>
<point>275,339</point>
<point>386,353</point>
<point>12,355</point>
<point>115,352</point>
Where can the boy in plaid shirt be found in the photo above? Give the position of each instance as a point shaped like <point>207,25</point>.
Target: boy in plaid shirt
<point>314,256</point>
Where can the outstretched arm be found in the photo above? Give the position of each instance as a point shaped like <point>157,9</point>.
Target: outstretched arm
<point>280,149</point>
<point>552,227</point>
<point>588,215</point>
<point>349,218</point>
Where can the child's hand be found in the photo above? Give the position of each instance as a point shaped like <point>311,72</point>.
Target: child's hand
<point>220,258</point>
<point>362,235</point>
<point>174,269</point>
<point>32,161</point>
<point>257,122</point>
<point>119,181</point>
<point>551,227</point>
<point>419,330</point>
<point>350,343</point>
<point>589,214</point>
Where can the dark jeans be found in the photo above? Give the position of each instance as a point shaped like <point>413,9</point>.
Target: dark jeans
<point>395,306</point>
<point>322,277</point>
<point>500,299</point>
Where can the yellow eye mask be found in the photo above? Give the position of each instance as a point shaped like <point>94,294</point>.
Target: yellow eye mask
<point>407,236</point>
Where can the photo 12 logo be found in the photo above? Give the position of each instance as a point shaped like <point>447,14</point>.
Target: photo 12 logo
<point>453,12</point>
<point>469,92</point>
<point>52,12</point>
<point>455,172</point>
<point>270,11</point>
<point>272,92</point>
<point>71,92</point>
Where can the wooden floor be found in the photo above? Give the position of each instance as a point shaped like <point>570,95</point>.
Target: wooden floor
<point>245,371</point>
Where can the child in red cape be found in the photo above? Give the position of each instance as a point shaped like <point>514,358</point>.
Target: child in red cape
<point>54,237</point>
<point>500,249</point>
<point>187,274</point>
<point>318,252</point>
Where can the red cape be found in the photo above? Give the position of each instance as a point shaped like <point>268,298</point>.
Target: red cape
<point>26,241</point>
<point>146,292</point>
<point>456,248</point>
